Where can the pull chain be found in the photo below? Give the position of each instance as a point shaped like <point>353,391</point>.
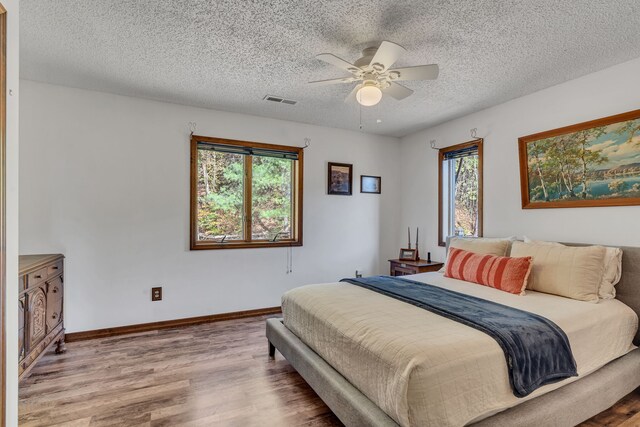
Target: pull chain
<point>290,259</point>
<point>289,267</point>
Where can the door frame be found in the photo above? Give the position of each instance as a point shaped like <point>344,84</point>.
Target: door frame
<point>3,210</point>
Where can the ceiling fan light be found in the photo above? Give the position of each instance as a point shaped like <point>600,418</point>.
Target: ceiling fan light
<point>368,96</point>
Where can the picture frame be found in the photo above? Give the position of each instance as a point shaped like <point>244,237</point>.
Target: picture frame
<point>589,164</point>
<point>340,179</point>
<point>370,184</point>
<point>408,254</point>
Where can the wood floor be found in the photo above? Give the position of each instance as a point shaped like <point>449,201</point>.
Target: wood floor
<point>216,374</point>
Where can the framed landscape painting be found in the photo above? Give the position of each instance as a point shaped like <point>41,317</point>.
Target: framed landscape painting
<point>595,163</point>
<point>340,179</point>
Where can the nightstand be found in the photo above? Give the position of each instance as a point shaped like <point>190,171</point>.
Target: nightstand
<point>402,268</point>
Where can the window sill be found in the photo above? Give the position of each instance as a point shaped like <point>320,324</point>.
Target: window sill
<point>243,245</point>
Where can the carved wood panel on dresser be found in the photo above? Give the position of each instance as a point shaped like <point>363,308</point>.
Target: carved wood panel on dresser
<point>40,305</point>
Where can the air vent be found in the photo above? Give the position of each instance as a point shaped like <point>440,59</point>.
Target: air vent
<point>280,100</point>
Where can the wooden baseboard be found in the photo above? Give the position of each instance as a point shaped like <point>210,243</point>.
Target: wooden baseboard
<point>145,327</point>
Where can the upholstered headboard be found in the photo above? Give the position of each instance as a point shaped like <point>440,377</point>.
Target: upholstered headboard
<point>628,289</point>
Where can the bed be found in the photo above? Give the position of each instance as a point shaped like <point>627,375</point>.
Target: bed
<point>332,343</point>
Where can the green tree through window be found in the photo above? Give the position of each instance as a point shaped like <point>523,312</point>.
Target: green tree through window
<point>460,191</point>
<point>272,209</point>
<point>245,194</point>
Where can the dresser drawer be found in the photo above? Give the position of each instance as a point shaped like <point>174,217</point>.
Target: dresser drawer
<point>36,277</point>
<point>54,310</point>
<point>54,269</point>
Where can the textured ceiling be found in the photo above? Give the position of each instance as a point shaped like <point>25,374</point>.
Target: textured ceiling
<point>228,55</point>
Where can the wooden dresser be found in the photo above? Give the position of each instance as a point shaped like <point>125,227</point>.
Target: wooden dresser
<point>40,304</point>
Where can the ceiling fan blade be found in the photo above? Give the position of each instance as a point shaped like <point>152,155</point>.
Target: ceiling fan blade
<point>419,72</point>
<point>397,91</point>
<point>334,81</point>
<point>386,55</point>
<point>352,96</point>
<point>338,62</point>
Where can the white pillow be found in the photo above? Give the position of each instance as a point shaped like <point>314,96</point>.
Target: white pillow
<point>568,271</point>
<point>612,268</point>
<point>483,245</point>
<point>612,273</point>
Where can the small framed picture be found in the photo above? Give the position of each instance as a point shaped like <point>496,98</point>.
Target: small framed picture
<point>408,255</point>
<point>370,184</point>
<point>340,179</point>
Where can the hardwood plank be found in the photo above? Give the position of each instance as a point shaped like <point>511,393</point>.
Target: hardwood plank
<point>631,422</point>
<point>200,375</point>
<point>82,422</point>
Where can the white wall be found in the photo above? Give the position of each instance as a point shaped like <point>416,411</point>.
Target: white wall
<point>105,181</point>
<point>611,91</point>
<point>11,313</point>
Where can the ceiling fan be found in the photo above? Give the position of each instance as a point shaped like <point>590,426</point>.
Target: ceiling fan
<point>374,74</point>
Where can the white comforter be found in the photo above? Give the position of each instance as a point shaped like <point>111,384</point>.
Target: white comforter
<point>425,370</point>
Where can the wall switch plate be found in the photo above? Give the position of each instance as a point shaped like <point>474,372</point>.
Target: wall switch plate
<point>156,294</point>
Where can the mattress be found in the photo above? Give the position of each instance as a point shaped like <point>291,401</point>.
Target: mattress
<point>426,370</point>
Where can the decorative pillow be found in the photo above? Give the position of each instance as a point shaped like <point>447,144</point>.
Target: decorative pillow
<point>500,272</point>
<point>572,272</point>
<point>612,268</point>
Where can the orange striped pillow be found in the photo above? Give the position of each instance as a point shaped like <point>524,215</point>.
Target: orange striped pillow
<point>500,272</point>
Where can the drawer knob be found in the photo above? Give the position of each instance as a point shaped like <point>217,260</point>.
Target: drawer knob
<point>55,290</point>
<point>37,277</point>
<point>55,267</point>
<point>54,316</point>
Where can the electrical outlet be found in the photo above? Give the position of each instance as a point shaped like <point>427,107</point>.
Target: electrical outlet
<point>358,273</point>
<point>156,294</point>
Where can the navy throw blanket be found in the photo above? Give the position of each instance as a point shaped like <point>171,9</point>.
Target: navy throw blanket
<point>536,349</point>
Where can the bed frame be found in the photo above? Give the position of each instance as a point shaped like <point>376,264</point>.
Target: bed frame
<point>567,406</point>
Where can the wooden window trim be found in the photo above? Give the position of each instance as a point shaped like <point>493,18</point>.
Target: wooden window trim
<point>298,175</point>
<point>441,154</point>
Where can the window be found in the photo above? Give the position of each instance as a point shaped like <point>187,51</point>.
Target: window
<point>460,191</point>
<point>245,194</point>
